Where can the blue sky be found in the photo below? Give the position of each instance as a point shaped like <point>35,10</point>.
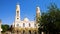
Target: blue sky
<point>28,9</point>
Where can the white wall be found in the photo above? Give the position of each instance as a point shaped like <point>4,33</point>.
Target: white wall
<point>20,24</point>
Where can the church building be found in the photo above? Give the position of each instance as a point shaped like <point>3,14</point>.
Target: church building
<point>25,26</point>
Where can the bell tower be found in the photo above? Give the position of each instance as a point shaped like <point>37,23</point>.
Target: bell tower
<point>38,14</point>
<point>17,18</point>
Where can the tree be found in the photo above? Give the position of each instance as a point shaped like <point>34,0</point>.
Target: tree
<point>5,28</point>
<point>50,21</point>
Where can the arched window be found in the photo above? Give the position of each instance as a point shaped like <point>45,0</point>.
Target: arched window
<point>35,25</point>
<point>17,25</point>
<point>17,13</point>
<point>29,24</point>
<point>23,24</point>
<point>17,18</point>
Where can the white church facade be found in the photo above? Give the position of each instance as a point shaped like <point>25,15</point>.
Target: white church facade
<point>25,26</point>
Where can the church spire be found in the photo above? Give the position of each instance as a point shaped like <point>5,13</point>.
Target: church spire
<point>17,12</point>
<point>38,9</point>
<point>38,14</point>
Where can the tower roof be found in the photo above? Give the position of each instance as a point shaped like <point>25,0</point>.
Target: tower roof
<point>17,6</point>
<point>38,9</point>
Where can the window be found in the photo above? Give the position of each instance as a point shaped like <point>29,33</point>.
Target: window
<point>35,25</point>
<point>17,18</point>
<point>29,25</point>
<point>17,25</point>
<point>17,13</point>
<point>23,24</point>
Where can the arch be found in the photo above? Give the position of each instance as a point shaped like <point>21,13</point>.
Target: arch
<point>29,31</point>
<point>35,32</point>
<point>23,31</point>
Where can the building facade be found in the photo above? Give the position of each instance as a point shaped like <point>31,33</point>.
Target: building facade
<point>25,26</point>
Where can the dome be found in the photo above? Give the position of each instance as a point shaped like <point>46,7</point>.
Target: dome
<point>26,19</point>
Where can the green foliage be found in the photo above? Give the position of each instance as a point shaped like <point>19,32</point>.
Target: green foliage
<point>50,21</point>
<point>5,28</point>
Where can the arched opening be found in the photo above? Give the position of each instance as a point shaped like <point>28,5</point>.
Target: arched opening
<point>35,32</point>
<point>29,31</point>
<point>23,31</point>
<point>17,32</point>
<point>17,13</point>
